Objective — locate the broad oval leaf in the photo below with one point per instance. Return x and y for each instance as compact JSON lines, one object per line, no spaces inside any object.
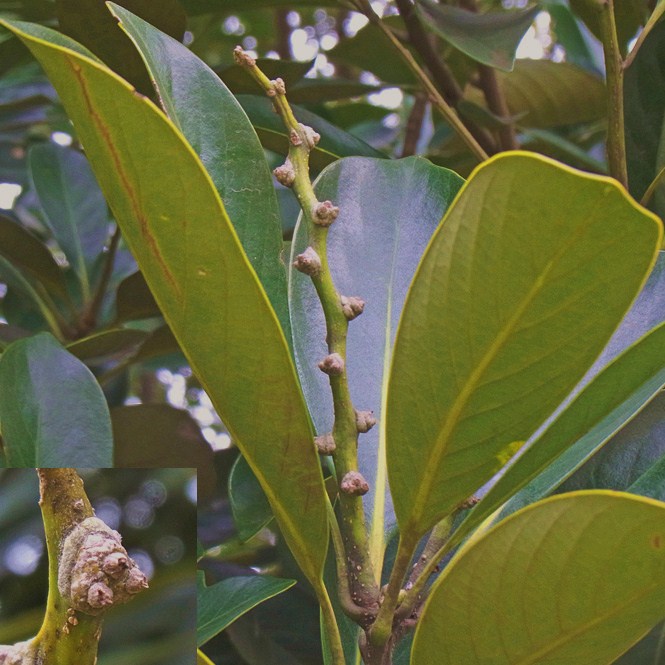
{"x":519,"y":290}
{"x":491,"y":38}
{"x":578,"y":578}
{"x":221,"y":604}
{"x":388,"y":212}
{"x":74,"y":207}
{"x":174,"y":222}
{"x":220,"y":133}
{"x":52,"y":411}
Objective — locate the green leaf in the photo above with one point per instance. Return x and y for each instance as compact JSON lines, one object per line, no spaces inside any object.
{"x":531,"y":258}
{"x":89,"y":22}
{"x":218,"y":130}
{"x":100,"y":345}
{"x":638,"y":449}
{"x":198,"y":273}
{"x":31,"y":255}
{"x":388,"y":212}
{"x":173,"y":440}
{"x":74,"y":207}
{"x":542,"y":93}
{"x":52,"y":410}
{"x":334,"y":144}
{"x":650,"y":650}
{"x":573,"y":579}
{"x":644,"y":100}
{"x":600,"y":409}
{"x":222,"y":603}
{"x":251,"y":510}
{"x":134,"y":300}
{"x":491,"y":38}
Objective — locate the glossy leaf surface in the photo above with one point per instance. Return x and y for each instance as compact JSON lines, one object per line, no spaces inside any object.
{"x":531,"y":258}
{"x":490,"y":38}
{"x":198,"y":273}
{"x":221,"y":604}
{"x":251,"y":510}
{"x":603,"y":406}
{"x":218,"y":130}
{"x":574,"y":579}
{"x":52,"y":411}
{"x":388,"y":212}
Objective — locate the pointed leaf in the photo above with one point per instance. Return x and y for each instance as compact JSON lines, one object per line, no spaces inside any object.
{"x":52,"y":411}
{"x":603,"y":406}
{"x":630,"y":454}
{"x":174,"y":222}
{"x":74,"y":207}
{"x":220,"y":133}
{"x":134,"y":300}
{"x":531,"y":258}
{"x":491,"y":38}
{"x":251,"y":510}
{"x":388,"y":212}
{"x":221,"y":604}
{"x":577,"y":578}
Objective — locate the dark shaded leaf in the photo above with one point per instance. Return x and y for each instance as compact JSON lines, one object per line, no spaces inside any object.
{"x":101,"y":345}
{"x":134,"y":300}
{"x":251,"y":510}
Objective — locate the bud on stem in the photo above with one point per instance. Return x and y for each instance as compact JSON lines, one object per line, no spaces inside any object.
{"x":353,"y":483}
{"x":308,"y":262}
{"x":332,"y":364}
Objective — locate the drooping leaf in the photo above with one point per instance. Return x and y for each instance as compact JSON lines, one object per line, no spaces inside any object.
{"x":573,"y":579}
{"x":89,"y":22}
{"x":52,"y":411}
{"x":28,"y":253}
{"x":193,"y":262}
{"x":542,"y":93}
{"x":173,"y":440}
{"x":251,"y":510}
{"x":388,"y":212}
{"x":334,"y":144}
{"x":531,"y":258}
{"x":74,"y":206}
{"x":603,"y":406}
{"x":218,"y":130}
{"x":631,"y":453}
{"x":644,"y":101}
{"x":491,"y":38}
{"x":221,"y":604}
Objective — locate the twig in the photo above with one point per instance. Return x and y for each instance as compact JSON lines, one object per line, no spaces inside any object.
{"x":338,"y":311}
{"x":441,"y":74}
{"x":414,"y":125}
{"x":616,"y":142}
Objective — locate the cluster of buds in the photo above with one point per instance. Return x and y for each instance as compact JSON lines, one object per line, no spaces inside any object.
{"x":365,"y":420}
{"x":332,"y":364}
{"x":354,"y":484}
{"x":285,"y":174}
{"x":308,"y":262}
{"x":352,"y":306}
{"x":325,"y":444}
{"x":325,"y":213}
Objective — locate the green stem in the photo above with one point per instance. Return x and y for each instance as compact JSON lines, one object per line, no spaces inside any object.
{"x":330,"y":626}
{"x":616,"y":141}
{"x":295,"y":173}
{"x":64,"y":504}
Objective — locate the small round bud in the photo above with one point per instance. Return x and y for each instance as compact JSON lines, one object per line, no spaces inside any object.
{"x":278,"y":87}
{"x":99,"y":595}
{"x":365,"y":420}
{"x":285,"y":174}
{"x":136,"y":581}
{"x":353,"y":483}
{"x":352,"y":306}
{"x":332,"y":364}
{"x":325,"y":444}
{"x":325,"y":213}
{"x":243,"y":58}
{"x":115,"y":564}
{"x":308,"y":262}
{"x":310,"y":137}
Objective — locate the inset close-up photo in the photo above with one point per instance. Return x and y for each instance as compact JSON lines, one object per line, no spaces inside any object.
{"x":97,"y":566}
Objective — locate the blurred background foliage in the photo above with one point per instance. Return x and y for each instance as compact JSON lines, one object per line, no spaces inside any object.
{"x":64,"y":267}
{"x":155,"y":512}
